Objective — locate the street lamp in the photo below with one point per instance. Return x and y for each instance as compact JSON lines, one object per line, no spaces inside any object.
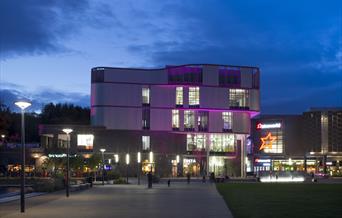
{"x":127,"y":163}
{"x":102,"y":151}
{"x":22,"y":105}
{"x":67,"y":131}
{"x":116,"y":158}
{"x":139,"y":161}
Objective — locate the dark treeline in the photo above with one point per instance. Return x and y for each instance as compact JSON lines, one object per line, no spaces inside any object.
{"x":10,"y":122}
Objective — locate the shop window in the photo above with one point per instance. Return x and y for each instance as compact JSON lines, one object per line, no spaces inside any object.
{"x":146,"y":96}
{"x":194,"y":96}
{"x":238,"y":98}
{"x":227,"y":121}
{"x":146,"y":143}
{"x":195,"y":142}
{"x":179,"y":96}
{"x":203,"y":121}
{"x":175,"y":119}
{"x":189,"y":120}
{"x":222,"y":143}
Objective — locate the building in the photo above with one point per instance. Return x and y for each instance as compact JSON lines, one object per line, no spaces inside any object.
{"x":311,"y":142}
{"x":191,"y":118}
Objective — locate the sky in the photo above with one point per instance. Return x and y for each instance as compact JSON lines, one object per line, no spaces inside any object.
{"x":47,"y":48}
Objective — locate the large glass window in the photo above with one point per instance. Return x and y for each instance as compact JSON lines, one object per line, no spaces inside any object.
{"x":195,"y":142}
{"x":203,"y":120}
{"x":238,"y":98}
{"x":146,"y":96}
{"x":217,"y":165}
{"x":185,"y":75}
{"x":145,"y":143}
{"x":175,"y":119}
{"x":227,"y":121}
{"x":189,"y":120}
{"x":194,"y":96}
{"x":179,"y":96}
{"x":222,"y":142}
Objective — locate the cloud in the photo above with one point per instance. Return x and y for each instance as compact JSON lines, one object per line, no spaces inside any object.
{"x":42,"y":97}
{"x":35,"y":27}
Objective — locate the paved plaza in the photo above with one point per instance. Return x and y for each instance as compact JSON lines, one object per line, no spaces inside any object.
{"x":180,"y":200}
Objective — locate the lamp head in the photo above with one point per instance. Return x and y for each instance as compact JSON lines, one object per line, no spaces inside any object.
{"x":67,"y":130}
{"x":102,"y":150}
{"x":22,"y":104}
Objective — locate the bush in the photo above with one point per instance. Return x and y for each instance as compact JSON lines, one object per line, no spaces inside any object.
{"x":120,"y":181}
{"x":48,"y":185}
{"x":111,"y":175}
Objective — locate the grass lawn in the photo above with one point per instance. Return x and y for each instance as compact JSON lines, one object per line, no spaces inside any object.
{"x":282,"y":200}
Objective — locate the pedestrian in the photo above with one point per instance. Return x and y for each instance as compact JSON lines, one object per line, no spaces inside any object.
{"x":203,"y":179}
{"x":149,"y":179}
{"x":168,"y":183}
{"x":188,"y":177}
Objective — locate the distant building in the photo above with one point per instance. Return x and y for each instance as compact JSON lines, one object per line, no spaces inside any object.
{"x":309,"y":142}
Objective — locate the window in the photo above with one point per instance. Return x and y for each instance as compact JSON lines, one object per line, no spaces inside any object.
{"x":238,"y":98}
{"x":227,"y":121}
{"x":146,"y":96}
{"x":194,"y":96}
{"x":185,"y":75}
{"x":203,"y":121}
{"x":222,"y":143}
{"x":175,"y":119}
{"x":189,"y":120}
{"x":146,"y":118}
{"x":145,"y":143}
{"x":229,"y":77}
{"x":195,"y":142}
{"x":179,"y":96}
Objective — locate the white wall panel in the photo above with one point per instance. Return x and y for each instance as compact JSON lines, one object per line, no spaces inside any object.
{"x":161,"y":119}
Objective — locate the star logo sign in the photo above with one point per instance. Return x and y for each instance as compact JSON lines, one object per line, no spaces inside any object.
{"x":267,"y":141}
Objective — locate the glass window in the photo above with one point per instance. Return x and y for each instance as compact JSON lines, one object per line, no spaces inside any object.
{"x":145,"y":143}
{"x":179,"y":96}
{"x":175,"y":119}
{"x":146,"y":118}
{"x":195,"y":142}
{"x":203,"y":120}
{"x":146,"y":95}
{"x":189,"y":119}
{"x":222,"y":143}
{"x":194,"y":96}
{"x":238,"y":98}
{"x":227,"y":120}
{"x":217,"y":165}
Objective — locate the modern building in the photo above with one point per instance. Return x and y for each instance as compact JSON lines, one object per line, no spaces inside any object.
{"x":311,"y":142}
{"x":191,"y":119}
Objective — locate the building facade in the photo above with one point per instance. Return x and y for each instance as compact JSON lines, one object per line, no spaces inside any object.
{"x":192,"y":118}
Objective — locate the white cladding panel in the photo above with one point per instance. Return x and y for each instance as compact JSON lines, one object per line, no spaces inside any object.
{"x":246,"y":77}
{"x":160,"y":119}
{"x":163,"y":96}
{"x":210,"y":75}
{"x":241,"y":122}
{"x":117,"y":94}
{"x":254,"y":100}
{"x":122,"y":118}
{"x":215,"y":121}
{"x":136,"y":76}
{"x":214,"y":97}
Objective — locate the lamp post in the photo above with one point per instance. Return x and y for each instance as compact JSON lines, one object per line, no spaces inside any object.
{"x":102,"y":151}
{"x":67,"y":131}
{"x":139,"y":161}
{"x":127,"y":163}
{"x":22,"y":105}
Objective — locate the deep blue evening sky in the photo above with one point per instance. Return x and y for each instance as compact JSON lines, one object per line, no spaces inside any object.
{"x":47,"y":48}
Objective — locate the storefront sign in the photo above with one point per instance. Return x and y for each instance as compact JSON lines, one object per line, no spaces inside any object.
{"x":59,"y":155}
{"x":85,"y":141}
{"x":268,"y":125}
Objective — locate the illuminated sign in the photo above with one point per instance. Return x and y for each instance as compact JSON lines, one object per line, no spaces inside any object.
{"x":268,"y":125}
{"x":60,"y":155}
{"x":267,"y":141}
{"x":85,"y":141}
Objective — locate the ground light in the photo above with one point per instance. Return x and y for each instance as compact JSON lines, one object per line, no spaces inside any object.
{"x":102,"y":151}
{"x":127,"y":163}
{"x":68,"y":131}
{"x":138,"y":170}
{"x":22,"y":105}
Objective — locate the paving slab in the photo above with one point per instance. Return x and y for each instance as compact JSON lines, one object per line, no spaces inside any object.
{"x":180,"y":200}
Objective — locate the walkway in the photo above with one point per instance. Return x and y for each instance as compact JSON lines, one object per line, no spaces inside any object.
{"x":180,"y":200}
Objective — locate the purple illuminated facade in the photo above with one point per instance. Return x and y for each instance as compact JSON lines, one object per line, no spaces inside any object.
{"x":194,"y":118}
